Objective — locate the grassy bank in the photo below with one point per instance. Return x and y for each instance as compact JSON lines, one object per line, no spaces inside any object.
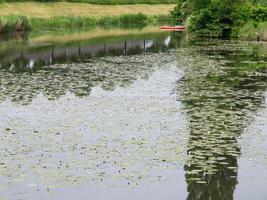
{"x":103,"y":2}
{"x":64,"y":15}
{"x":49,"y":10}
{"x":23,"y":23}
{"x":252,"y":31}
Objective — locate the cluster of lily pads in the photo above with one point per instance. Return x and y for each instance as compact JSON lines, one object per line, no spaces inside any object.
{"x":78,"y":78}
{"x":223,"y":87}
{"x":68,"y":136}
{"x":116,"y":134}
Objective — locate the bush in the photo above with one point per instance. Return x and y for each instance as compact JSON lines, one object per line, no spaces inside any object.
{"x":252,"y":31}
{"x":259,"y":13}
{"x":248,"y":32}
{"x":262,"y":30}
{"x":221,"y":18}
{"x":211,"y":23}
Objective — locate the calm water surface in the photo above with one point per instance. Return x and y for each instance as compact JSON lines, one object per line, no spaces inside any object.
{"x":132,"y":114}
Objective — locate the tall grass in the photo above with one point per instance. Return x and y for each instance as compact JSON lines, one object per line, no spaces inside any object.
{"x":126,"y":20}
{"x":262,"y":30}
{"x":20,"y":23}
{"x":103,"y":2}
{"x":61,"y":22}
{"x":252,"y":31}
{"x":14,"y":23}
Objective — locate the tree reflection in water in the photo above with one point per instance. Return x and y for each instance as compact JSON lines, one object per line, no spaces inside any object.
{"x":220,"y":92}
{"x":223,"y":85}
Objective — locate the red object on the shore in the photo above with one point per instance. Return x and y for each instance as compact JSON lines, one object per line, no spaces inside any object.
{"x":173,"y":28}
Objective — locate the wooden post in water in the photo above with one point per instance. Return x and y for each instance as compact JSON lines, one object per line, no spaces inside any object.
{"x":145,"y":46}
{"x":79,"y":50}
{"x":52,"y":56}
{"x":125,"y":47}
{"x":105,"y":48}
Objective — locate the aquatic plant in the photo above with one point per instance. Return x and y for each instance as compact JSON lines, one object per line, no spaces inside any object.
{"x":220,"y":92}
{"x":131,"y":142}
{"x":126,"y":137}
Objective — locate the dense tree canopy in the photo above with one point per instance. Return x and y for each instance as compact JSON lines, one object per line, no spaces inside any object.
{"x":219,"y":18}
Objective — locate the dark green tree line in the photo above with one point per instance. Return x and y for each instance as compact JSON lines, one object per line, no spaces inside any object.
{"x":219,"y":18}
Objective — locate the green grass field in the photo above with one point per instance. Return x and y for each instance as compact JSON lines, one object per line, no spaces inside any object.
{"x":48,"y":10}
{"x":50,"y":16}
{"x":103,"y":2}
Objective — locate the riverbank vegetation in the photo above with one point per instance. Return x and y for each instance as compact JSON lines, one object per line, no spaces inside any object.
{"x":63,"y":15}
{"x":244,"y":19}
{"x":22,"y":23}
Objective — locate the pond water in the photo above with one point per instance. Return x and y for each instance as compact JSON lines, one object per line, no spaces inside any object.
{"x":132,"y":114}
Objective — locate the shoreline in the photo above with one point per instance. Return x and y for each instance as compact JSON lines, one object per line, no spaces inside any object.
{"x":16,"y":17}
{"x":13,"y":24}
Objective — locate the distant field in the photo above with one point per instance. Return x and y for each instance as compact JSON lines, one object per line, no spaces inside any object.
{"x":103,"y":2}
{"x":48,"y":10}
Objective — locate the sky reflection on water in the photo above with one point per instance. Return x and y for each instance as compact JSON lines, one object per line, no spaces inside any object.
{"x":175,"y":123}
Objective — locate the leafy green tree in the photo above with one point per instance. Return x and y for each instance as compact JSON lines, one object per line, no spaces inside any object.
{"x":219,"y":18}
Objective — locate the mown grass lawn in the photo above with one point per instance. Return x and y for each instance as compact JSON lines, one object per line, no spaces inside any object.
{"x":48,"y":10}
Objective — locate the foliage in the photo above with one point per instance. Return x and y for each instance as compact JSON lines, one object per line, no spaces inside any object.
{"x":214,"y":21}
{"x":182,"y":11}
{"x":250,"y":31}
{"x":259,"y":13}
{"x":214,"y":18}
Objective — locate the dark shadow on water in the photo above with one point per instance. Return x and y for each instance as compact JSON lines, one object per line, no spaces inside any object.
{"x":220,"y":98}
{"x":16,"y":36}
